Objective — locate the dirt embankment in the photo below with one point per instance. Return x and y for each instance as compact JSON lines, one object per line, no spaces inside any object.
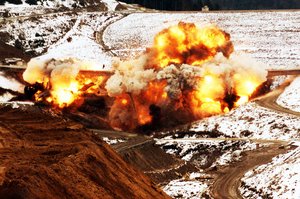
{"x":43,"y":155}
{"x":154,"y":161}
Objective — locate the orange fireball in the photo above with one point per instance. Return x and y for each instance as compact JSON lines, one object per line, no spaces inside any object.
{"x":187,"y":43}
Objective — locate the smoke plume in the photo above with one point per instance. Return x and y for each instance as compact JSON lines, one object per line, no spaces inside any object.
{"x":189,"y":73}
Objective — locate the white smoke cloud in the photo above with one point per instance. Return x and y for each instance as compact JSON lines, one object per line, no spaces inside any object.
{"x":240,"y":63}
{"x":62,"y":70}
{"x":51,"y":70}
{"x":180,"y":78}
{"x":11,"y":84}
{"x":185,"y":76}
{"x":130,"y":77}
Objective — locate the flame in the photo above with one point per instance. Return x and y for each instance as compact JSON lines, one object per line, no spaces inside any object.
{"x":187,"y":43}
{"x":143,"y":115}
{"x":65,"y":94}
{"x":124,"y":102}
{"x":155,"y":93}
{"x":141,"y":97}
{"x":245,"y":86}
{"x":207,"y":95}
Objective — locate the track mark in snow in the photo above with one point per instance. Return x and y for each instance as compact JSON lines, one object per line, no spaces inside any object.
{"x":100,"y":34}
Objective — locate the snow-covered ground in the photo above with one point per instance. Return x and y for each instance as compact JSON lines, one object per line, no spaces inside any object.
{"x":10,"y":84}
{"x":253,"y":121}
{"x":205,"y":152}
{"x":50,"y":6}
{"x":290,"y":98}
{"x":64,"y":36}
{"x":6,"y":97}
{"x":37,"y":34}
{"x":111,"y":4}
{"x":112,"y":141}
{"x":186,"y":188}
{"x":278,"y":179}
{"x":270,"y":37}
{"x":80,"y":42}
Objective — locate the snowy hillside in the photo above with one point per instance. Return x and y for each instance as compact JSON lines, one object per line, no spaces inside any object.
{"x":108,"y":5}
{"x":270,"y":37}
{"x":278,"y":179}
{"x":38,"y":33}
{"x":257,"y":126}
{"x":253,"y":121}
{"x":15,"y":8}
{"x":290,"y":98}
{"x":81,"y":41}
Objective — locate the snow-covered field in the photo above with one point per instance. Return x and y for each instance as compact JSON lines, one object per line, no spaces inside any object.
{"x":270,"y":37}
{"x":290,"y":98}
{"x":50,"y":6}
{"x":80,"y":42}
{"x":186,"y":188}
{"x":278,"y":179}
{"x":36,"y":34}
{"x":253,"y":121}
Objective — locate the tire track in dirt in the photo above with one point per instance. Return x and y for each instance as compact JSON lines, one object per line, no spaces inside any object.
{"x":228,"y":179}
{"x":269,"y":101}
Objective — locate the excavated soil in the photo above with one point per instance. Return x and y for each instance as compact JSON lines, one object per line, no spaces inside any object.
{"x":44,"y":155}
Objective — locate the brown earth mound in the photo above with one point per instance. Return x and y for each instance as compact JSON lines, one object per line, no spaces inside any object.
{"x":44,"y":155}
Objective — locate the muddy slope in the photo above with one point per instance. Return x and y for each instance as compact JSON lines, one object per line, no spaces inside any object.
{"x":43,"y":155}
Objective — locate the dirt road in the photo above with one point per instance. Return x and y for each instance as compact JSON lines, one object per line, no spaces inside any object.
{"x":132,"y":140}
{"x":269,"y":101}
{"x":228,"y":179}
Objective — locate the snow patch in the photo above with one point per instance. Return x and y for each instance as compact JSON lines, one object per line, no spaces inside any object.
{"x":253,"y":121}
{"x":278,"y":179}
{"x":111,"y":4}
{"x":290,"y":98}
{"x":185,"y":189}
{"x":112,"y":141}
{"x":6,"y":97}
{"x":11,"y":84}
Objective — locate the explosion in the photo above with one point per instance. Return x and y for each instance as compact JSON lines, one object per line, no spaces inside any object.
{"x":189,"y":73}
{"x":188,"y":44}
{"x":62,"y":81}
